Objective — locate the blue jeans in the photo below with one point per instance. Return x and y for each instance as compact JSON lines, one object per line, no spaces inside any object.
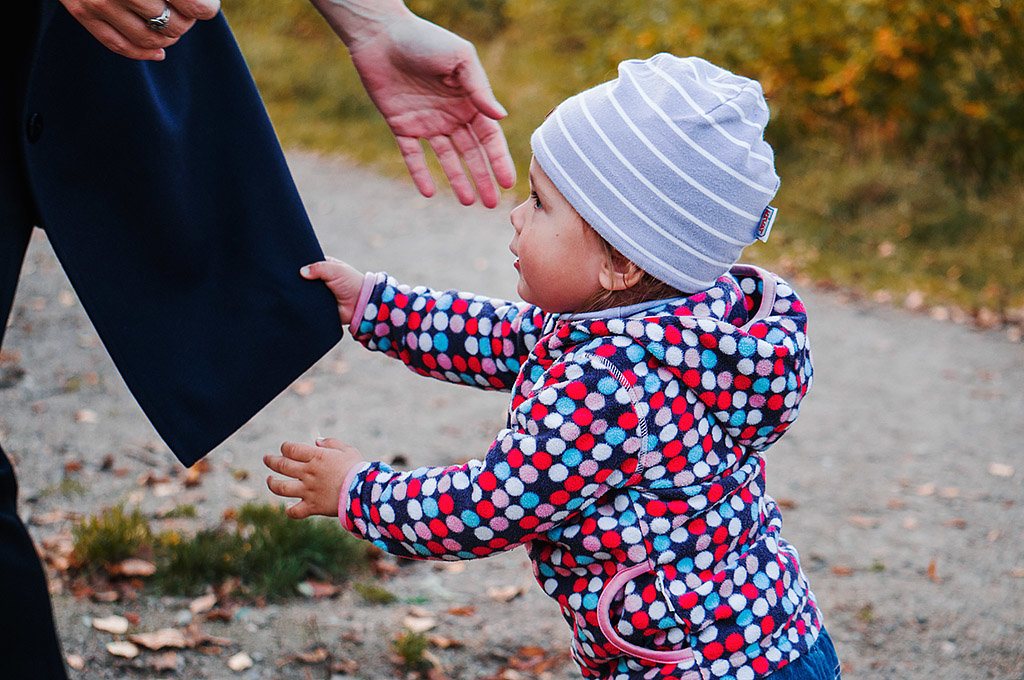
{"x":820,"y":663}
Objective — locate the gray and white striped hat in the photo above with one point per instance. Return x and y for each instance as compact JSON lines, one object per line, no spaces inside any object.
{"x":668,"y":163}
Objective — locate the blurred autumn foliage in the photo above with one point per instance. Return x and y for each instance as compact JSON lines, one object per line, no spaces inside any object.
{"x":898,"y":124}
{"x":945,"y":75}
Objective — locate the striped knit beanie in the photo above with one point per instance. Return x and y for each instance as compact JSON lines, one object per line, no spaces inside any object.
{"x":668,"y":163}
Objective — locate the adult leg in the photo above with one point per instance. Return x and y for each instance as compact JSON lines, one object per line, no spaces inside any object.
{"x":29,"y":649}
{"x":28,"y":640}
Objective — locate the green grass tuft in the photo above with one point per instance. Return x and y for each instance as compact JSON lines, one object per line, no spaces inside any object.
{"x":267,"y":553}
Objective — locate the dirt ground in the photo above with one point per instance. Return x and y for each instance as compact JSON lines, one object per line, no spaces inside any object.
{"x":902,"y":483}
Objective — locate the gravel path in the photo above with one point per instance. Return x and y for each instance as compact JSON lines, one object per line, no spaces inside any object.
{"x":902,"y":483}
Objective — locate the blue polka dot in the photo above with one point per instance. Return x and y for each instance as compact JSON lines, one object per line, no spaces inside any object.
{"x":441,"y":342}
{"x":529,"y":500}
{"x":470,"y":518}
{"x":708,"y":359}
{"x":615,"y":436}
{"x":607,"y":385}
{"x":502,"y":470}
{"x":635,"y":353}
{"x":572,"y":457}
{"x":566,"y":406}
{"x":430,"y":508}
{"x":747,"y":346}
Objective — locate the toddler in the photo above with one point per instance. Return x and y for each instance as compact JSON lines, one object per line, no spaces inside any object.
{"x":648,"y":375}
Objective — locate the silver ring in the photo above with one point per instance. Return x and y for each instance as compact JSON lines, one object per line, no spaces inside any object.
{"x":160,"y":23}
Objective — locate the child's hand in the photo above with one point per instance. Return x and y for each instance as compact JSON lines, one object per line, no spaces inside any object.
{"x":315,"y":475}
{"x":342,"y":279}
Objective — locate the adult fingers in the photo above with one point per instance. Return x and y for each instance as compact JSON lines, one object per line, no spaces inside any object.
{"x":468,"y":147}
{"x":473,"y":79}
{"x":451,"y":164}
{"x":416,"y":162}
{"x":197,"y":9}
{"x":492,"y":139}
{"x":136,"y":26}
{"x":117,"y":43}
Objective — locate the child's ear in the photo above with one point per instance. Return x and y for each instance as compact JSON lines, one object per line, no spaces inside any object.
{"x":618,"y":273}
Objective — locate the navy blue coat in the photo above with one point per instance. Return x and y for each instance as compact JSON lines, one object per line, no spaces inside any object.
{"x":165,"y":195}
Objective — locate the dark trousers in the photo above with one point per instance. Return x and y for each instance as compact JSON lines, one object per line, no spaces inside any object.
{"x":28,"y":640}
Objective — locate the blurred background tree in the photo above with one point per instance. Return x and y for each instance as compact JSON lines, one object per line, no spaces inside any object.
{"x":898,"y":125}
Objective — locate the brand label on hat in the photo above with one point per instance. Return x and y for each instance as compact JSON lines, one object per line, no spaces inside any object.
{"x":767,"y":220}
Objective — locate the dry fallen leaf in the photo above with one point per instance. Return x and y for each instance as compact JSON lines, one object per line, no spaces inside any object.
{"x":1017,"y":572}
{"x":168,"y":661}
{"x":444,"y":642}
{"x":9,"y":356}
{"x":75,"y":661}
{"x":1000,"y":470}
{"x":317,"y":589}
{"x":165,"y":637}
{"x":862,"y":522}
{"x":123,"y":649}
{"x":419,"y":624}
{"x":505,"y":593}
{"x":466,"y":610}
{"x":132,"y":566}
{"x":116,"y":625}
{"x":203,"y":603}
{"x":304,"y":387}
{"x":310,"y":655}
{"x":839,"y":570}
{"x":240,"y":662}
{"x":85,"y":415}
{"x":933,"y":571}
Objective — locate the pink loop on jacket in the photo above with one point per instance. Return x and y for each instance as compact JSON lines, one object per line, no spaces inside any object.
{"x":604,"y":603}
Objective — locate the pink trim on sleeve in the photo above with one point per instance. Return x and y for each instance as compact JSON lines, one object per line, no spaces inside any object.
{"x":343,"y":497}
{"x":370,"y":279}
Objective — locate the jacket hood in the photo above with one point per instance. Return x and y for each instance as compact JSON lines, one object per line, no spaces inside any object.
{"x":739,"y":347}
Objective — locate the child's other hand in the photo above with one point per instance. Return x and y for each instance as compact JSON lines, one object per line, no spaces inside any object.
{"x":342,"y":279}
{"x":314,"y":475}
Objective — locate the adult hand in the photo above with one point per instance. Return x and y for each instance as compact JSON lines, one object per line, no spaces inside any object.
{"x":429,"y":84}
{"x":121,"y":24}
{"x":313,"y":474}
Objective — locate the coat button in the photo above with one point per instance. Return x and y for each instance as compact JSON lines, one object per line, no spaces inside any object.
{"x":34,"y":127}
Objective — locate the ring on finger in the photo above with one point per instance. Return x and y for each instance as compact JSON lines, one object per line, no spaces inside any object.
{"x":159,"y":23}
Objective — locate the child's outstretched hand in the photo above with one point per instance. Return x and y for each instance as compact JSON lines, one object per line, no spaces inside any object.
{"x":343,"y":280}
{"x":314,"y":475}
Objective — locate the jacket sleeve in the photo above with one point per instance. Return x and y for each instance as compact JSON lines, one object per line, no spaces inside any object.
{"x":452,"y":336}
{"x":572,"y":440}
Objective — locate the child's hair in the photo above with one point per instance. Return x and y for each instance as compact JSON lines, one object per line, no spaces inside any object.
{"x":646,"y":289}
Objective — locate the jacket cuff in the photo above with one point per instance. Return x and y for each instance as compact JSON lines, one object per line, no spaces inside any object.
{"x":370,"y":280}
{"x":343,"y":497}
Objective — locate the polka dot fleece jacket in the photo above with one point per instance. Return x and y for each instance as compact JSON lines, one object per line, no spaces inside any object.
{"x":630,"y":467}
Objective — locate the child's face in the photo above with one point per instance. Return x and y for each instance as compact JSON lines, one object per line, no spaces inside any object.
{"x":559,"y":255}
